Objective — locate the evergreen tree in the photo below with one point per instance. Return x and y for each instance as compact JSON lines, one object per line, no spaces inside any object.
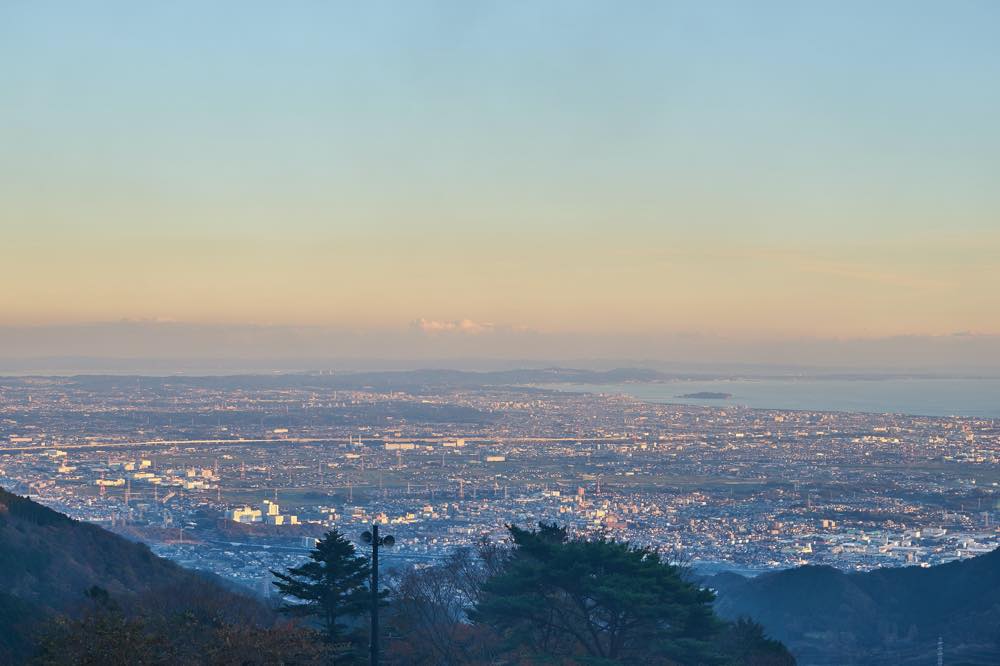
{"x":597,"y":601}
{"x":746,"y":644}
{"x":332,"y":586}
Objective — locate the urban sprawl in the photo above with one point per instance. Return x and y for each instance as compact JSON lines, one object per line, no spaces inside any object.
{"x":239,"y":475}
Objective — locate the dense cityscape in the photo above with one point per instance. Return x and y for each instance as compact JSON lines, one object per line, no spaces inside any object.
{"x":240,"y":475}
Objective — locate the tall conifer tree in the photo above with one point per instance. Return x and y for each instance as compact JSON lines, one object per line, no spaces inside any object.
{"x":332,"y":585}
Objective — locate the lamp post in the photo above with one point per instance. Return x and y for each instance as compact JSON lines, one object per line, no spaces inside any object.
{"x":375,"y":541}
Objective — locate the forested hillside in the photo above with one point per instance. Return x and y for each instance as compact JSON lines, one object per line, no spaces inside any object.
{"x":897,"y":614}
{"x":48,"y":561}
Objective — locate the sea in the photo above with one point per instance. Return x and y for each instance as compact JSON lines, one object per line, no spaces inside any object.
{"x":919,"y":396}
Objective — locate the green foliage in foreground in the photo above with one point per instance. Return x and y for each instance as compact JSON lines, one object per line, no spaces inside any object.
{"x":331,"y":586}
{"x":544,"y":598}
{"x":597,"y":600}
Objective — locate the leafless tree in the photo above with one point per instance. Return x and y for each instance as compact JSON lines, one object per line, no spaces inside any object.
{"x":431,"y":605}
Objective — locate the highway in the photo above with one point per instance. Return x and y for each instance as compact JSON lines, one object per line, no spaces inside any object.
{"x":292,"y":440}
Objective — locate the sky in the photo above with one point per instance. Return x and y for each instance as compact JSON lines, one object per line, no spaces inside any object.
{"x":510,"y":172}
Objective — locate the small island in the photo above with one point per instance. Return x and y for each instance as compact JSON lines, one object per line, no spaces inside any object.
{"x":707,"y":395}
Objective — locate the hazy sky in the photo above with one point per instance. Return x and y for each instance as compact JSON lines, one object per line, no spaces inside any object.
{"x":746,"y":169}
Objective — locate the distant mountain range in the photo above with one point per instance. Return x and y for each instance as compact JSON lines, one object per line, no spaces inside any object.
{"x":383,"y":380}
{"x":885,"y":616}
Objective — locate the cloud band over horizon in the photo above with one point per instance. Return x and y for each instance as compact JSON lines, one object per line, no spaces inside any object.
{"x":175,"y":346}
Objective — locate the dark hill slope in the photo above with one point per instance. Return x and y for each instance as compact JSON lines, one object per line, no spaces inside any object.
{"x":48,"y":560}
{"x":827,"y":616}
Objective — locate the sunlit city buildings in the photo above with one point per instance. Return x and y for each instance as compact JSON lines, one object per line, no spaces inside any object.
{"x":239,"y":475}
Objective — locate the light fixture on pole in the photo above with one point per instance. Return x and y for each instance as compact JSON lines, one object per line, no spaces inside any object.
{"x":373,"y":539}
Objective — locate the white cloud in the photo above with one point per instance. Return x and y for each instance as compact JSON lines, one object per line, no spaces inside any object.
{"x":464,"y":326}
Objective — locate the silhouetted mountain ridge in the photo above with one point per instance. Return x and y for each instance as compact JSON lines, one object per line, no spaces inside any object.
{"x":410,"y":380}
{"x":48,"y":560}
{"x":828,"y":616}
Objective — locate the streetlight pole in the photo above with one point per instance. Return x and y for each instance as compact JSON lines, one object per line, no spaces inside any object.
{"x":375,"y":540}
{"x":375,"y":545}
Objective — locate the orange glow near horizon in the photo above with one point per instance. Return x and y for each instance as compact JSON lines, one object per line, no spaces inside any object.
{"x":636,"y":170}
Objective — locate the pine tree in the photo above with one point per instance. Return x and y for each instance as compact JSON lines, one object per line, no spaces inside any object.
{"x":332,"y":586}
{"x":598,"y":600}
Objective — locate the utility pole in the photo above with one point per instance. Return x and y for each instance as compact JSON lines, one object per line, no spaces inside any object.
{"x":375,"y":544}
{"x":375,"y":540}
{"x":940,"y":652}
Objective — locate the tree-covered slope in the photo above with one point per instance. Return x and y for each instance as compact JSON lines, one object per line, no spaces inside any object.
{"x":48,"y":561}
{"x":828,"y":616}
